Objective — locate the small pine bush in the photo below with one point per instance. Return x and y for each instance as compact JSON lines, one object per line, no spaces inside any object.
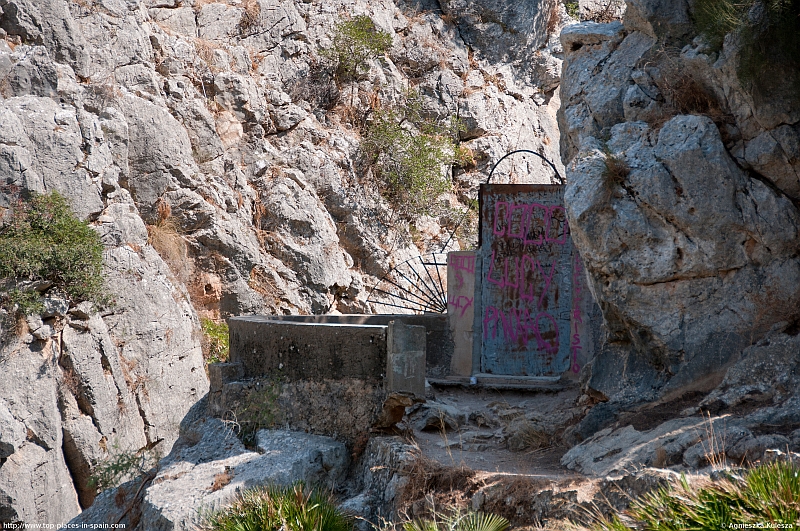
{"x":355,"y":43}
{"x":410,"y":155}
{"x":294,"y":508}
{"x":42,"y":240}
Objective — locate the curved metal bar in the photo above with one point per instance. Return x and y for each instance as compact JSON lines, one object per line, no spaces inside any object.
{"x":549,"y":163}
{"x":488,"y":179}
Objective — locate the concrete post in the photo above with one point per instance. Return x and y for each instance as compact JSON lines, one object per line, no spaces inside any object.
{"x":461,"y":308}
{"x":405,"y":359}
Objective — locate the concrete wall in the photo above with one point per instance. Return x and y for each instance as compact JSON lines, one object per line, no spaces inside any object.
{"x":293,"y":351}
{"x":438,"y":346}
{"x":320,"y":374}
{"x":461,"y":309}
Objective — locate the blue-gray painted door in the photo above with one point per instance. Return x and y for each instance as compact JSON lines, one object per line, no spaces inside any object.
{"x":525,"y":280}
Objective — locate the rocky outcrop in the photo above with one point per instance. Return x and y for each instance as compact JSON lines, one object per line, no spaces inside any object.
{"x":89,"y":385}
{"x":682,"y":200}
{"x":208,"y":468}
{"x":207,"y":150}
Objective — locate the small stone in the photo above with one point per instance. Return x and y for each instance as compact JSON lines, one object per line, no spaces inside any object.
{"x":43,"y":332}
{"x":55,"y":307}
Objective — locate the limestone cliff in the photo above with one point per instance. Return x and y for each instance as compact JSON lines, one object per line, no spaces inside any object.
{"x":198,"y":139}
{"x":682,"y":198}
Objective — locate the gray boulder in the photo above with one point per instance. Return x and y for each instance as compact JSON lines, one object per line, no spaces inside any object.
{"x":48,"y":23}
{"x":687,"y":224}
{"x":209,"y":467}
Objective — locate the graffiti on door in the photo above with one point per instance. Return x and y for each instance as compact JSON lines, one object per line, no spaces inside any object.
{"x":526,"y":280}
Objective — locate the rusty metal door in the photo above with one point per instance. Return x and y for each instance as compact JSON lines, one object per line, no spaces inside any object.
{"x":525,"y":281}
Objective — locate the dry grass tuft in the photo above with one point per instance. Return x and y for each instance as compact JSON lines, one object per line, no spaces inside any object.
{"x":251,"y":15}
{"x":553,"y":17}
{"x":205,"y":50}
{"x":261,"y":282}
{"x":428,"y":478}
{"x":529,"y":437}
{"x":506,"y":497}
{"x":682,"y":89}
{"x":168,"y":242}
{"x":660,"y":459}
{"x":616,"y":169}
{"x":221,"y":480}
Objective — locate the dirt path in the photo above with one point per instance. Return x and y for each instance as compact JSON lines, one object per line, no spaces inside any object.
{"x":502,"y":451}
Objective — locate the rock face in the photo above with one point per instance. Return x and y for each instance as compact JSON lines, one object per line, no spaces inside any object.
{"x":208,"y":467}
{"x":203,"y":144}
{"x":681,"y":199}
{"x":89,"y":385}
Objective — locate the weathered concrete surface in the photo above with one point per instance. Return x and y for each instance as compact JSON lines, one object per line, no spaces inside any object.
{"x":303,"y":351}
{"x":345,"y":408}
{"x":439,"y":339}
{"x":461,"y":309}
{"x":405,"y":359}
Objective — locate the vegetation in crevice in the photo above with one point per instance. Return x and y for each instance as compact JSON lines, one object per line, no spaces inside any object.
{"x":615,"y":169}
{"x":769,"y":34}
{"x":355,"y":43}
{"x":121,"y":466}
{"x":216,"y":347}
{"x":410,"y":154}
{"x":43,"y":242}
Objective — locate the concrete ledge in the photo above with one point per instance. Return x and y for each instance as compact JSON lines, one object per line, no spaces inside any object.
{"x":344,"y":409}
{"x":295,"y":351}
{"x":439,"y":339}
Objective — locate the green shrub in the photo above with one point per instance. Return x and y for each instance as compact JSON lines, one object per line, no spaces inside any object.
{"x":42,"y":240}
{"x":766,"y":494}
{"x":410,"y":155}
{"x":770,"y":39}
{"x":355,"y":43}
{"x":121,"y":466}
{"x":470,"y":521}
{"x":294,"y":508}
{"x":258,"y":410}
{"x":215,"y":340}
{"x":573,"y":9}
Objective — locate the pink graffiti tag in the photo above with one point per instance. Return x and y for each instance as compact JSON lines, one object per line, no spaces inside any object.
{"x":519,"y":324}
{"x":516,"y":221}
{"x":518,"y":271}
{"x":463,"y":263}
{"x":460,"y":303}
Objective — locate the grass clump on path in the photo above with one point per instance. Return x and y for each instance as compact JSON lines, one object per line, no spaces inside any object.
{"x":294,"y":508}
